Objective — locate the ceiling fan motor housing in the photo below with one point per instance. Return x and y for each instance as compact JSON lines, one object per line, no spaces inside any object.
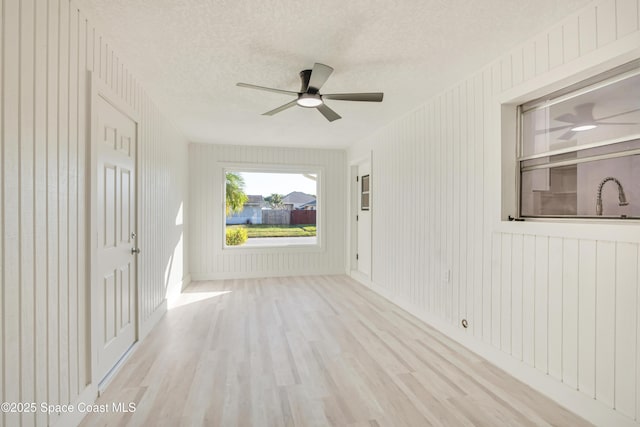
{"x":305,"y":75}
{"x":309,"y":96}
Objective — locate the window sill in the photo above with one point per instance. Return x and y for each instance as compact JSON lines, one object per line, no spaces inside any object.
{"x":619,"y":230}
{"x":284,"y":248}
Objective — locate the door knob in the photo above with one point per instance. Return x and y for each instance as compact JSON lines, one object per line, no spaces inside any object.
{"x":135,"y":251}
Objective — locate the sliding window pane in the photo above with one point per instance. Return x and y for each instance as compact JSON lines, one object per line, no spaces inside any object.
{"x":606,"y":188}
{"x":605,"y":113}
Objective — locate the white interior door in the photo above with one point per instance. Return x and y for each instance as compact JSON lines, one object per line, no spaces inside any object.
{"x":364,"y":218}
{"x":114,"y":285}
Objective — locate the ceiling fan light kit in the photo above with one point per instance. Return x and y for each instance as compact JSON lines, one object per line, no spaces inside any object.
{"x":310,"y":97}
{"x":582,"y":128}
{"x":583,"y":120}
{"x":309,"y":100}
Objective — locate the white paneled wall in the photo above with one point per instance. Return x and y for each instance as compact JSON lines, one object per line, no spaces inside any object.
{"x":48,"y":49}
{"x":561,"y":298}
{"x":209,"y":260}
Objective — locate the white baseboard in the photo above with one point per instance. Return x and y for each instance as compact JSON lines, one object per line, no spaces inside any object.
{"x":87,"y":397}
{"x":90,"y":394}
{"x":361,"y":277}
{"x":257,"y":274}
{"x":588,"y":408}
{"x":186,"y":280}
{"x":148,"y":324}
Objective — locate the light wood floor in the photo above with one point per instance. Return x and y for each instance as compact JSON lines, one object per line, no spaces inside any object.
{"x":311,"y":351}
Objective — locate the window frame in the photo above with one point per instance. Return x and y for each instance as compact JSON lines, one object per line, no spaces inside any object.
{"x":594,"y":83}
{"x":318,"y":170}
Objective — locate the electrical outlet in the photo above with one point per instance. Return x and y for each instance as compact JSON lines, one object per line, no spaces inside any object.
{"x":446,"y":276}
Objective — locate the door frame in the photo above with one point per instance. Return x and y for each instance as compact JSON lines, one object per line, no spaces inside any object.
{"x":354,"y":195}
{"x":98,"y":90}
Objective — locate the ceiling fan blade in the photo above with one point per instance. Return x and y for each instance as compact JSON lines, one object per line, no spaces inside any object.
{"x":554,"y":129}
{"x":319,"y":75}
{"x":281,"y":108}
{"x":567,"y":118}
{"x":367,"y":97}
{"x":567,"y":135}
{"x":268,"y":89}
{"x":328,"y":113}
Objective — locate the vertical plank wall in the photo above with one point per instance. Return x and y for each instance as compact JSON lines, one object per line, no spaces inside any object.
{"x":47,"y":49}
{"x":561,"y":299}
{"x":210,"y":261}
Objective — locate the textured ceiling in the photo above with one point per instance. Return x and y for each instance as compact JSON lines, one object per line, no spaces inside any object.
{"x":191,"y":53}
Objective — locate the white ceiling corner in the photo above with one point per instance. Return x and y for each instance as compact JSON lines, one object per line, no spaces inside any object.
{"x":191,"y":53}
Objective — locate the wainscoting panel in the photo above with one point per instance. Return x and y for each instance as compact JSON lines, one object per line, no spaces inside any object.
{"x":49,"y":49}
{"x":561,"y":297}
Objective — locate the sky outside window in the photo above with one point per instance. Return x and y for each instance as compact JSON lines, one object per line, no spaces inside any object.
{"x":266,"y":183}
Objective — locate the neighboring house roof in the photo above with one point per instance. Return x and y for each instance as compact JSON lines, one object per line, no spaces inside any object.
{"x":298,"y":198}
{"x":311,"y":203}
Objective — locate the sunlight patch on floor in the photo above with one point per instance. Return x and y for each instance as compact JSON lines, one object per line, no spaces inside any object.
{"x":191,"y":297}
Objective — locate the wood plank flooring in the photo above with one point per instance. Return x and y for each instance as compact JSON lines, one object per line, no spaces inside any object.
{"x":311,"y":351}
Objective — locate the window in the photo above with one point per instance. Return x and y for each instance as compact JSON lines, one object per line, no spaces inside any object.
{"x":265,"y":208}
{"x":579,"y":151}
{"x":364,"y":194}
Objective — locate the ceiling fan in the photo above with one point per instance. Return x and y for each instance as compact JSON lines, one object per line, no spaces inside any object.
{"x":583,"y":120}
{"x":309,"y":95}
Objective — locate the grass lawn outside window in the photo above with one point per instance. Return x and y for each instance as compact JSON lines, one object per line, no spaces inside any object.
{"x":266,"y":230}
